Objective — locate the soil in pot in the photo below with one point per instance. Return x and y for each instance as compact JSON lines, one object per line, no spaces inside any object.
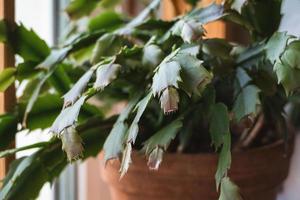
{"x":258,"y":172}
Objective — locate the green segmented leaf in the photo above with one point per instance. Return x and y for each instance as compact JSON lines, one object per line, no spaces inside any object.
{"x":289,"y":77}
{"x":276,"y":46}
{"x":55,"y":57}
{"x":75,"y":92}
{"x":107,"y":45}
{"x":105,"y":20}
{"x":224,"y":162}
{"x":140,"y":108}
{"x":246,"y":102}
{"x":194,"y":76}
{"x":28,"y":44}
{"x":79,"y":8}
{"x":34,"y":95}
{"x":23,"y":167}
{"x":126,"y":160}
{"x":27,"y":70}
{"x":159,"y":142}
{"x":132,"y":134}
{"x":7,"y":77}
{"x":242,"y":78}
{"x":109,"y":3}
{"x":229,"y":191}
{"x":255,"y":13}
{"x":67,"y":117}
{"x":290,"y":56}
{"x":46,"y":164}
{"x":105,"y":74}
{"x":207,"y":14}
{"x":8,"y":129}
{"x":219,"y":124}
{"x":191,"y":31}
{"x":163,"y":137}
{"x":113,"y":145}
{"x":152,"y":55}
{"x":168,"y":75}
{"x":13,"y":151}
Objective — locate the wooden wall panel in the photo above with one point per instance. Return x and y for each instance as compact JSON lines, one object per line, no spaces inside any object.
{"x":7,"y":99}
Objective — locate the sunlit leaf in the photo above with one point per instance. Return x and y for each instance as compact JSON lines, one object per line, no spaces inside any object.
{"x":191,"y":31}
{"x":126,"y":160}
{"x":290,"y":56}
{"x":229,"y":191}
{"x":167,"y":75}
{"x":7,"y":77}
{"x":109,"y":3}
{"x":105,"y":20}
{"x":152,"y":55}
{"x":105,"y":74}
{"x":79,"y":8}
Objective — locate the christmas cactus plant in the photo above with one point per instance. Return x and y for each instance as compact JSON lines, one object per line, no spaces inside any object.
{"x":184,"y":92}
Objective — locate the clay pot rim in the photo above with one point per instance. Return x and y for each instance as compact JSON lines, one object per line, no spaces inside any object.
{"x":271,"y":146}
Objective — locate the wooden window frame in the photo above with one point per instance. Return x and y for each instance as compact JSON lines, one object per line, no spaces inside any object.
{"x":7,"y":99}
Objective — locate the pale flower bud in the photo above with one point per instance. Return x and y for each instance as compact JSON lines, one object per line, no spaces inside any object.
{"x":191,"y":31}
{"x":155,"y":158}
{"x":72,"y":144}
{"x":169,"y":100}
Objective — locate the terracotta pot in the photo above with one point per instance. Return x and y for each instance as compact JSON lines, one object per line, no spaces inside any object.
{"x":258,"y":172}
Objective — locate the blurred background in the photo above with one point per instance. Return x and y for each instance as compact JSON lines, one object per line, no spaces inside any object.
{"x":81,"y":181}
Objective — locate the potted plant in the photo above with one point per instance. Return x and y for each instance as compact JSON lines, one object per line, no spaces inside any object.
{"x":190,"y":102}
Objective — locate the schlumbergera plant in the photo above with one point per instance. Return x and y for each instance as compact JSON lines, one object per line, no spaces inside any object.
{"x":184,"y":92}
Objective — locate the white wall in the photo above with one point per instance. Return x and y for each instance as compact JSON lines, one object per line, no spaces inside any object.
{"x":291,"y":17}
